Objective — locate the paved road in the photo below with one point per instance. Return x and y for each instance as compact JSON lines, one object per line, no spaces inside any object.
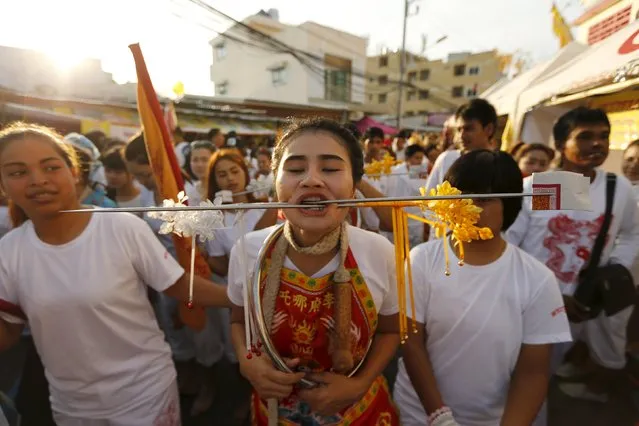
{"x":563,"y":411}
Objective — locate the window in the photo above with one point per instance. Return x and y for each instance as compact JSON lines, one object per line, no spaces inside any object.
{"x":410,"y":96}
{"x":424,"y":75}
{"x":412,"y":76}
{"x":219,"y":51}
{"x":457,"y":92}
{"x":337,"y":85}
{"x":383,"y":61}
{"x":423,"y":112}
{"x":370,"y":98}
{"x":473,"y":71}
{"x":381,"y":98}
{"x":459,"y":70}
{"x":222,"y":89}
{"x":423,"y":94}
{"x":471,"y":93}
{"x":382,"y":80}
{"x":278,"y":76}
{"x":410,"y":113}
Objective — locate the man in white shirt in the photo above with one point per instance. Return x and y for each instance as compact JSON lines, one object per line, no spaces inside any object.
{"x":476,"y":123}
{"x":564,"y":240}
{"x":373,"y":144}
{"x":399,"y":144}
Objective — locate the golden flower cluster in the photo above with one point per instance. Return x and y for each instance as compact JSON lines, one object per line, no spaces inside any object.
{"x":458,"y":216}
{"x":380,"y":167}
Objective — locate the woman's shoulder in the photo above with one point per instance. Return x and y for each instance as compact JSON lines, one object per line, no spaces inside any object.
{"x":529,"y":270}
{"x":364,"y":239}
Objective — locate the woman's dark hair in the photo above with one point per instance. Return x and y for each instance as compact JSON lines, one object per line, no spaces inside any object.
{"x":113,"y":159}
{"x":486,"y":172}
{"x":19,"y":131}
{"x":525,"y":148}
{"x":135,"y":150}
{"x":230,"y":154}
{"x":631,"y":144}
{"x":375,"y":132}
{"x":324,"y":125}
{"x":580,"y":116}
{"x":187,"y":154}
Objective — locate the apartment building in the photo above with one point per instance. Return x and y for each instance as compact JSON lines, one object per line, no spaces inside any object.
{"x":329,"y":69}
{"x":433,"y":85}
{"x":603,"y":18}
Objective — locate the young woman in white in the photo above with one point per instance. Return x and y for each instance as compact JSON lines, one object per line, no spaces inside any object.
{"x":198,"y":159}
{"x":80,"y":280}
{"x":481,"y":356}
{"x":316,"y":255}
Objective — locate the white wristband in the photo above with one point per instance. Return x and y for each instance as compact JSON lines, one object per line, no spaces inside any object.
{"x":442,"y":417}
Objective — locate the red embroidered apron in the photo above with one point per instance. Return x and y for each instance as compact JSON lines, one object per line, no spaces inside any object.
{"x":302,"y":324}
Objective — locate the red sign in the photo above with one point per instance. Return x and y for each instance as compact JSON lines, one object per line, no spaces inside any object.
{"x":629,"y":45}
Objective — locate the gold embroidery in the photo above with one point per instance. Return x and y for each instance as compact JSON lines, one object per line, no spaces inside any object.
{"x":299,"y":300}
{"x":315,"y":305}
{"x":304,"y":333}
{"x":285,"y":295}
{"x":329,"y":299}
{"x":301,"y":351}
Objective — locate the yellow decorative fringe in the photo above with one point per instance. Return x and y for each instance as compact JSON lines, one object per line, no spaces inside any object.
{"x":381,"y":167}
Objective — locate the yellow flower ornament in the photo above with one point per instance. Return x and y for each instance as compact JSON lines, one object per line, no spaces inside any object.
{"x":376,"y":169}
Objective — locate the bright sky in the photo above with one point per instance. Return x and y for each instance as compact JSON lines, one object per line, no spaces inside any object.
{"x":174,"y":34}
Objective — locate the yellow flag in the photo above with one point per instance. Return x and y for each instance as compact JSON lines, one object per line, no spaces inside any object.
{"x":560,"y":27}
{"x":507,"y":136}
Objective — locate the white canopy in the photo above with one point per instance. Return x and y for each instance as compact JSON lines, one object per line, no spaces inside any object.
{"x":597,"y":66}
{"x":504,"y":94}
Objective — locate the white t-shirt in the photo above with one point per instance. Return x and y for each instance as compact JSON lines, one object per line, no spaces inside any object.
{"x":476,"y":320}
{"x":225,"y":238}
{"x":396,"y":185}
{"x":376,"y":266}
{"x":440,"y":168}
{"x":563,"y":240}
{"x":180,"y":148}
{"x":87,"y":306}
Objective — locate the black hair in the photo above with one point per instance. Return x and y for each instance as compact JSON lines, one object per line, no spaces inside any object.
{"x":375,"y":132}
{"x":200,"y":144}
{"x":212,"y":133}
{"x":631,"y":144}
{"x":480,"y":110}
{"x":404,"y":134}
{"x":178,"y":131}
{"x":113,"y":159}
{"x":413,"y":149}
{"x":315,"y":125}
{"x":429,"y":148}
{"x":521,"y":151}
{"x":486,"y":172}
{"x":580,"y":116}
{"x":135,"y":150}
{"x":354,"y":130}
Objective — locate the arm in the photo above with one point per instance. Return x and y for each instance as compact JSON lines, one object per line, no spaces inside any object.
{"x":626,"y":246}
{"x":219,"y":264}
{"x":528,"y":386}
{"x":9,"y":334}
{"x":420,"y":371}
{"x":269,"y":218}
{"x":385,"y":214}
{"x":205,"y":292}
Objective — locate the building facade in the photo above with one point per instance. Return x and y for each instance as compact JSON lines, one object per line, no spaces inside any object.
{"x":308,"y":64}
{"x":603,"y":18}
{"x":433,"y":86}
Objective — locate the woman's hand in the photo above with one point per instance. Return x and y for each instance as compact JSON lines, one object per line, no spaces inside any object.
{"x":267,"y":380}
{"x":334,"y":393}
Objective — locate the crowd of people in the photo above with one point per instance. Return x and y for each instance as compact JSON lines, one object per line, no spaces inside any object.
{"x":97,"y":295}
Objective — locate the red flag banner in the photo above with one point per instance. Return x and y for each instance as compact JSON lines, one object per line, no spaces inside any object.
{"x":168,"y":175}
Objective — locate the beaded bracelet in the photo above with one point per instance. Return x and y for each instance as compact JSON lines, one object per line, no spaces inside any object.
{"x":438,"y":413}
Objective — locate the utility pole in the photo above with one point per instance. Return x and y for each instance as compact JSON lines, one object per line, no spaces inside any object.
{"x":402,"y":68}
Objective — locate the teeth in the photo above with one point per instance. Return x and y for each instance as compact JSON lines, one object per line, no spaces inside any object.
{"x":311,"y":199}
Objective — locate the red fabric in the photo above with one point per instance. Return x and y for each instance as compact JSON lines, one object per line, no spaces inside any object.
{"x":302,"y":327}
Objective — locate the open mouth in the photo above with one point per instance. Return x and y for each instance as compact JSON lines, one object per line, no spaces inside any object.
{"x":312,"y":199}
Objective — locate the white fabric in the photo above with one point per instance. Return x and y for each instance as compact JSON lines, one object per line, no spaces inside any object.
{"x":440,"y":168}
{"x":87,"y":306}
{"x":563,"y":240}
{"x":266,"y":180}
{"x":179,"y":153}
{"x":397,"y":185}
{"x":161,"y":410}
{"x":225,"y":238}
{"x":194,"y":192}
{"x":98,"y":175}
{"x":376,"y":266}
{"x":476,"y":320}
